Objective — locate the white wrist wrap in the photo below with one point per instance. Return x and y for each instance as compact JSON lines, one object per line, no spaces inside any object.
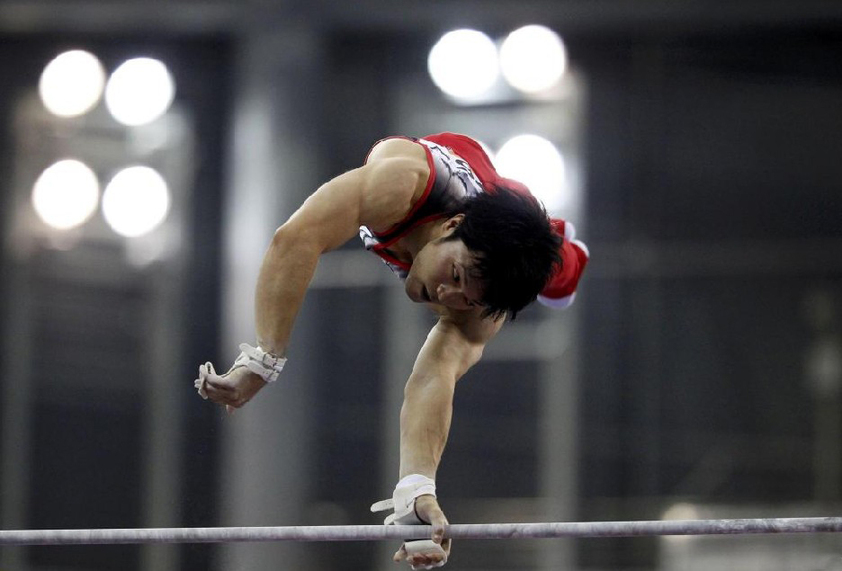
{"x":403,"y":504}
{"x":260,"y":362}
{"x":403,"y":500}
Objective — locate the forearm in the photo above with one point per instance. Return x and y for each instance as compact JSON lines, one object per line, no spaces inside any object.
{"x":451,"y":349}
{"x":425,"y":423}
{"x":286,"y":271}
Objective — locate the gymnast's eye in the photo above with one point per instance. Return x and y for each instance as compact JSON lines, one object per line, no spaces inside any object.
{"x":455,"y":274}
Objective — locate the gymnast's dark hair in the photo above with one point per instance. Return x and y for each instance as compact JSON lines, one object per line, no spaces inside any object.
{"x":515,"y":247}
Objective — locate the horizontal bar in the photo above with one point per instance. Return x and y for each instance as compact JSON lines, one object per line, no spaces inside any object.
{"x":400,"y":532}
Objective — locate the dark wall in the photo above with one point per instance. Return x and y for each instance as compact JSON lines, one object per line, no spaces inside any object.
{"x":84,"y":441}
{"x":714,"y":209}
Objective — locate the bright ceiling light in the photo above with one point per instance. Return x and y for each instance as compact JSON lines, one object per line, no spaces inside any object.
{"x":71,"y":84}
{"x":463,"y":63}
{"x":533,"y":59}
{"x":65,"y":194}
{"x":681,"y":511}
{"x":538,"y":164}
{"x":139,"y":91}
{"x":136,"y":201}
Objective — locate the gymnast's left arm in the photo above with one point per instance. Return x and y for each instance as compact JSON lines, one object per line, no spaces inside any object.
{"x":453,"y":346}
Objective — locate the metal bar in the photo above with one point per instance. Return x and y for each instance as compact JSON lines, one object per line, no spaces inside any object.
{"x":399,"y":532}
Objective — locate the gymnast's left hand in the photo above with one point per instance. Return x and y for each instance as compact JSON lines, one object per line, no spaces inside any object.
{"x":428,"y":510}
{"x":233,"y":389}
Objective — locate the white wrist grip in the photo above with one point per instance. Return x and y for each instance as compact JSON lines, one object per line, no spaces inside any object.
{"x":260,"y":362}
{"x":403,"y":500}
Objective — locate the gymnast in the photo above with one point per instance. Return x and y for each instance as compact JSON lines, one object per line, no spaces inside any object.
{"x":474,"y":246}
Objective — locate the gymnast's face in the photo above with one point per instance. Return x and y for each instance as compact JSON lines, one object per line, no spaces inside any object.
{"x":441,"y":274}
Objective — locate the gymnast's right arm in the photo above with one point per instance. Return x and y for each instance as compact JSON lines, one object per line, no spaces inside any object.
{"x":377,"y":195}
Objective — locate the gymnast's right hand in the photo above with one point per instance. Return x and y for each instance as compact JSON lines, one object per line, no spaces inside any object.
{"x":233,"y":389}
{"x":427,"y":554}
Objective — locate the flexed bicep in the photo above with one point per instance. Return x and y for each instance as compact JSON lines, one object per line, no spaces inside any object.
{"x":378,"y":195}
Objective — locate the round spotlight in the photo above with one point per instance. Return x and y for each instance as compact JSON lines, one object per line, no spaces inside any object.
{"x":136,"y":201}
{"x":533,"y":59}
{"x":71,"y":84}
{"x":681,"y":511}
{"x":463,"y":63}
{"x":139,"y":91}
{"x":538,"y":164}
{"x":65,"y":194}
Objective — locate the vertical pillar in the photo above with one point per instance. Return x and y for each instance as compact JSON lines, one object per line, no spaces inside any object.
{"x":165,"y":336}
{"x":163,"y":424}
{"x":558,"y":433}
{"x":266,"y":457}
{"x":16,"y":413}
{"x":823,"y":374}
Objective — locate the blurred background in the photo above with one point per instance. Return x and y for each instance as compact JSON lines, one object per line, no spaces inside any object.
{"x":148,"y":151}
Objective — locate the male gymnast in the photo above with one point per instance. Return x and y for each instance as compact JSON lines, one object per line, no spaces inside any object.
{"x":474,"y":246}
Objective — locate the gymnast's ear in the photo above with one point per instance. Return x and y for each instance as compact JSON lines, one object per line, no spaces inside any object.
{"x":452,"y":222}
